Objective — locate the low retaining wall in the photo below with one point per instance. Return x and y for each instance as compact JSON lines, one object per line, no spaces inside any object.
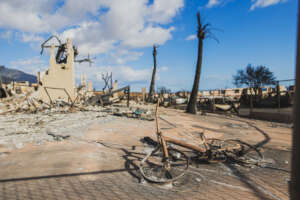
{"x":284,"y":115}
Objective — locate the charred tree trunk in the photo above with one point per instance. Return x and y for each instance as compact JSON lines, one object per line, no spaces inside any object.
{"x":152,"y":84}
{"x":191,"y":107}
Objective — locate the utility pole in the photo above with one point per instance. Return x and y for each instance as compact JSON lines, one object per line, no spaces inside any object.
{"x":295,"y":176}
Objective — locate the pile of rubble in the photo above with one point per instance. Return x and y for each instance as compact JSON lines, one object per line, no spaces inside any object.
{"x":47,"y":126}
{"x":25,"y":119}
{"x":30,"y":104}
{"x":138,"y":113}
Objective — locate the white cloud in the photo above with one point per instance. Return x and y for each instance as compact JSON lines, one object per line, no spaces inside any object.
{"x":112,"y":29}
{"x":38,"y":16}
{"x":124,"y":74}
{"x":191,"y":37}
{"x":79,"y":8}
{"x":130,"y":74}
{"x":163,"y":69}
{"x":264,"y":3}
{"x":149,"y":36}
{"x":6,"y":35}
{"x":125,"y":26}
{"x":162,"y":11}
{"x":23,"y":15}
{"x":212,"y":3}
{"x":31,"y":65}
{"x":122,"y":56}
{"x":30,"y":61}
{"x":254,"y":3}
{"x":30,"y":37}
{"x":96,"y":25}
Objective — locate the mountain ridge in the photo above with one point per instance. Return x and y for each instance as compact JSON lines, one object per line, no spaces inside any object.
{"x":9,"y":75}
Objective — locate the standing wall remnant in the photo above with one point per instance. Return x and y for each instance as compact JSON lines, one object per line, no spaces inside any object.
{"x":90,"y":87}
{"x":58,"y":81}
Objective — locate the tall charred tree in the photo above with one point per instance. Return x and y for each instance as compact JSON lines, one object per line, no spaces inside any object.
{"x":107,"y":81}
{"x":152,"y":84}
{"x":202,"y":33}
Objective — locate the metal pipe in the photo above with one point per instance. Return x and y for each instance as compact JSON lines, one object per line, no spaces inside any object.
{"x":184,"y":144}
{"x":63,"y":89}
{"x":286,"y":80}
{"x":48,"y":95}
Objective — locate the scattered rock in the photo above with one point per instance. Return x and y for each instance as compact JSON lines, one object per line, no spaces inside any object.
{"x":19,"y":145}
{"x":231,"y":125}
{"x":58,"y":137}
{"x":3,"y":154}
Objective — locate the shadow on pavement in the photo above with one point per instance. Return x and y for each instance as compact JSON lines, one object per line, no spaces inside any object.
{"x":63,"y":175}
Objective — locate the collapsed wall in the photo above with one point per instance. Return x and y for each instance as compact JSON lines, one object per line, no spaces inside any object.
{"x":58,"y":82}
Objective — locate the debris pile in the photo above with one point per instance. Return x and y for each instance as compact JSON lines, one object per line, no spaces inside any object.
{"x":22,"y":103}
{"x":47,"y":126}
{"x":137,"y":113}
{"x":30,"y":104}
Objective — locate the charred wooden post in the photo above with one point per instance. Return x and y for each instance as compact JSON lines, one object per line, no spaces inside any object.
{"x":39,"y":78}
{"x":251,"y":100}
{"x":128,"y":96}
{"x":143,"y":94}
{"x":213,"y":104}
{"x":278,"y":94}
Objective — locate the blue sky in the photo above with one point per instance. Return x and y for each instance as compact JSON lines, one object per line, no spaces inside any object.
{"x":120,"y":33}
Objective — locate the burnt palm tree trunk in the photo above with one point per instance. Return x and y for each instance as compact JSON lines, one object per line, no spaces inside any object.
{"x":191,"y":107}
{"x":152,"y":84}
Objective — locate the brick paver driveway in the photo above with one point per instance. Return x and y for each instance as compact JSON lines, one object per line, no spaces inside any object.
{"x":208,"y":182}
